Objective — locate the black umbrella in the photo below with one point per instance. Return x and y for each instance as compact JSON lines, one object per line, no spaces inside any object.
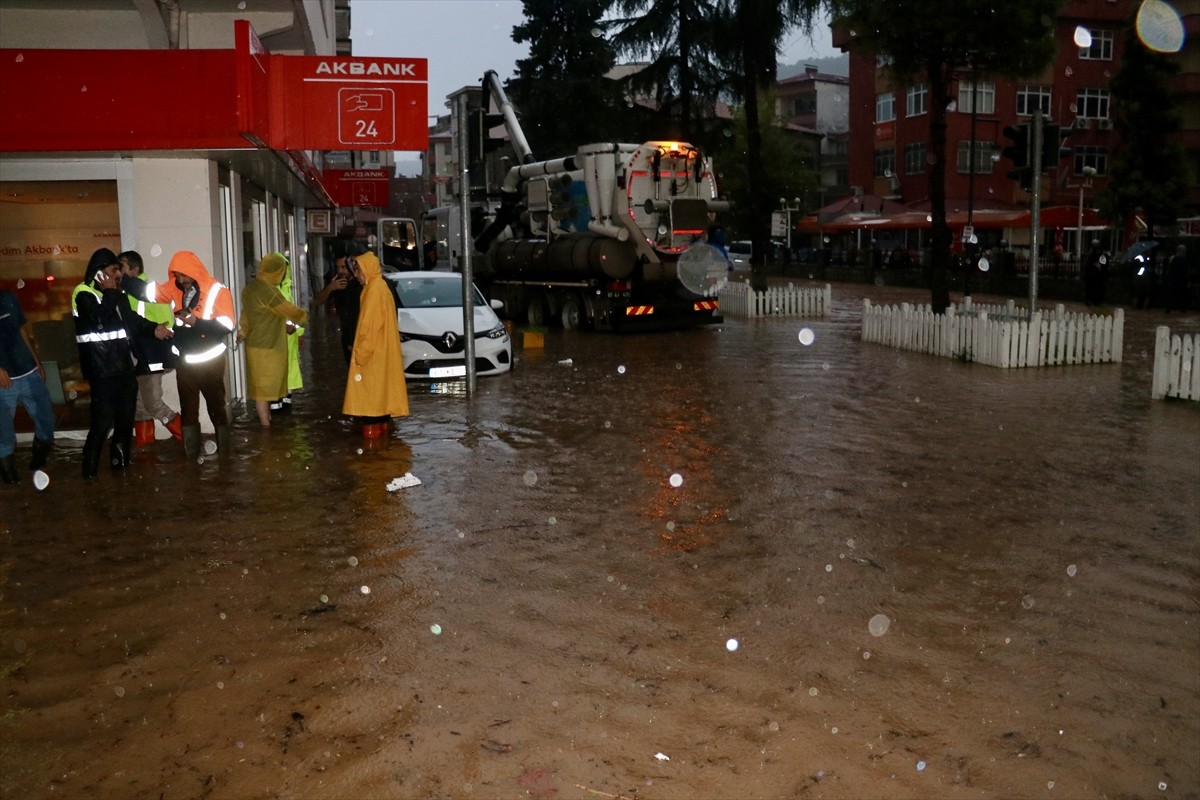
{"x":1139,"y":248}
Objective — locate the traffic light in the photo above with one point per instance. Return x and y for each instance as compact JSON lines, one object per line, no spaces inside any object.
{"x":480,"y":140}
{"x":1053,"y":148}
{"x":1018,"y":151}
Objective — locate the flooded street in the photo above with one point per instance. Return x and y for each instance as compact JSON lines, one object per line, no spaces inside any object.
{"x":702,"y":564}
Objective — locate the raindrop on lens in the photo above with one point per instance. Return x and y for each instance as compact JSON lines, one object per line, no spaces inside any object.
{"x":156,"y":250}
{"x":365,"y":589}
{"x":210,"y":447}
{"x":676,"y":480}
{"x":40,"y":480}
{"x":920,"y":766}
{"x":1162,"y":786}
{"x":1027,"y":602}
{"x":1071,"y":570}
{"x":879,"y":624}
{"x":324,"y":598}
{"x":731,"y":645}
{"x":621,"y":370}
{"x":530,"y":478}
{"x":807,"y":336}
{"x":435,"y":629}
{"x":352,"y":561}
{"x":119,"y":691}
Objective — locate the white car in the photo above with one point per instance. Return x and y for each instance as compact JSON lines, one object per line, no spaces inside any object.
{"x":429,"y":310}
{"x":739,"y":254}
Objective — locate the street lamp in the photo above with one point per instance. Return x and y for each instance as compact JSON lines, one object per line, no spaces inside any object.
{"x":1088,"y":174}
{"x":788,"y":209}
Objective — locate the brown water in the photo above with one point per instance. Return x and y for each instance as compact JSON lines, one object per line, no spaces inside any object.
{"x":263,"y":625}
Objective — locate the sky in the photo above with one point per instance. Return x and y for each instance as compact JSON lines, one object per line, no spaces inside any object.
{"x":462,"y":39}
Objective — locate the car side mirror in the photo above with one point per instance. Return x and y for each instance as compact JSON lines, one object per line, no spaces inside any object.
{"x":496,"y":304}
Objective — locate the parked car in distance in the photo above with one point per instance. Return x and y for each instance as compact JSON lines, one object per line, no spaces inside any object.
{"x":739,"y":254}
{"x":429,"y":310}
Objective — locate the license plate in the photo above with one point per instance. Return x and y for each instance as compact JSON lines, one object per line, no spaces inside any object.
{"x":448,"y":372}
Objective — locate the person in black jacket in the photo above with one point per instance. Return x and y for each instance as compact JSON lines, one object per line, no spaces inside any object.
{"x":104,"y":325}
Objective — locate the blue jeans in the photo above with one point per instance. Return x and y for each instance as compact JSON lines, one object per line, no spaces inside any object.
{"x":30,"y":391}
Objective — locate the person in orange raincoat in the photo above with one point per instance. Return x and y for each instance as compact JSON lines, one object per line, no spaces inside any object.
{"x":204,"y":317}
{"x":375,"y":388}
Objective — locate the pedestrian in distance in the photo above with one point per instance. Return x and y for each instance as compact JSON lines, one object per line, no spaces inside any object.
{"x":268,"y":322}
{"x":1177,"y":281}
{"x":104,"y":326}
{"x":204,"y":319}
{"x":22,"y":382}
{"x":155,"y":358}
{"x":375,"y":388}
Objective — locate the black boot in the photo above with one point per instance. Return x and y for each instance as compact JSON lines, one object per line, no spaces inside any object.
{"x":41,"y":452}
{"x":8,"y":469}
{"x":91,"y":462}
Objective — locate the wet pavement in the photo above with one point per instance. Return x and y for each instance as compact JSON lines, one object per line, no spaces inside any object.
{"x":711,"y":563}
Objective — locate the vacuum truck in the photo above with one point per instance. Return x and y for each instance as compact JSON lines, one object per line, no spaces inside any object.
{"x":611,"y":237}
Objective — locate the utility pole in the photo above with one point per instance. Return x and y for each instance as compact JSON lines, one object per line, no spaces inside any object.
{"x":1035,"y":223}
{"x":467,"y":245}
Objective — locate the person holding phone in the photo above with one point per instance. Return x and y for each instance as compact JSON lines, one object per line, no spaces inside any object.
{"x":104,"y":325}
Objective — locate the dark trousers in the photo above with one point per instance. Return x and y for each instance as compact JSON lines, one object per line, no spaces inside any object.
{"x":206,"y":378}
{"x":113,"y":404}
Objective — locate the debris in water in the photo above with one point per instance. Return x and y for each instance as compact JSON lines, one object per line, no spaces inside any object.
{"x":566,"y":362}
{"x":403,"y":482}
{"x":662,"y":756}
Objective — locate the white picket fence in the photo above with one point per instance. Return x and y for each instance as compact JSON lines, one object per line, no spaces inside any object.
{"x":1176,"y":365}
{"x":1049,"y":339}
{"x":739,"y":300}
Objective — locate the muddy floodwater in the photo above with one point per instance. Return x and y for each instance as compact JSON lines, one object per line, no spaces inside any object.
{"x":717,"y":563}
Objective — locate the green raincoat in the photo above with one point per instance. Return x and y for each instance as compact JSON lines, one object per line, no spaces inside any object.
{"x":264,"y":318}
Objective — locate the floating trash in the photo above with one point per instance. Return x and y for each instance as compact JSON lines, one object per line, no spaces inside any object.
{"x":403,"y":482}
{"x":566,"y":362}
{"x":662,"y":756}
{"x":731,"y":645}
{"x":879,"y":624}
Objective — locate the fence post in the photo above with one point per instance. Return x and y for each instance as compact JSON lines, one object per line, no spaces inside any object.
{"x":1118,"y":339}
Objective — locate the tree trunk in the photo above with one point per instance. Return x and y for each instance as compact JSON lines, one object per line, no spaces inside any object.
{"x":760,"y":231}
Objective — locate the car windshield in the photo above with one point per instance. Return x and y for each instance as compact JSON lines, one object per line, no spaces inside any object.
{"x":432,"y":293}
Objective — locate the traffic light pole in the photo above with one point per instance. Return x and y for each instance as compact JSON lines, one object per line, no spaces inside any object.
{"x":1035,"y":224}
{"x":466,"y":244}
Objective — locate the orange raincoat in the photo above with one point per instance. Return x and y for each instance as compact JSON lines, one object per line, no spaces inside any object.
{"x":375,"y":384}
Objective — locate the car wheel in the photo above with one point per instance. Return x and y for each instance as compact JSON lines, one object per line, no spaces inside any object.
{"x":570,"y":314}
{"x":535,"y":312}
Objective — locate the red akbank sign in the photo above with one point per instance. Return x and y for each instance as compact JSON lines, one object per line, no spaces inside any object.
{"x":98,"y":100}
{"x":357,"y":187}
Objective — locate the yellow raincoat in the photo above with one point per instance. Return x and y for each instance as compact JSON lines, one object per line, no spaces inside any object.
{"x":375,"y":384}
{"x":265,"y":314}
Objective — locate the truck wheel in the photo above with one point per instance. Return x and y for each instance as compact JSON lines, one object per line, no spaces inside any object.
{"x":570,"y":314}
{"x":535,"y":312}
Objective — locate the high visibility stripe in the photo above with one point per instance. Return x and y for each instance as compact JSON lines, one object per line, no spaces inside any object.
{"x":156,"y":366}
{"x":207,"y":355}
{"x":704,"y":305}
{"x":102,"y":336}
{"x":638,"y":311}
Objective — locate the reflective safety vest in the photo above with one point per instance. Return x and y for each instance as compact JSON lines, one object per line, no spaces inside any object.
{"x":104,"y":347}
{"x":153,"y":353}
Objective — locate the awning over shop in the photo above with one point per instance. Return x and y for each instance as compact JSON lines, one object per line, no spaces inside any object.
{"x":1066,"y":217}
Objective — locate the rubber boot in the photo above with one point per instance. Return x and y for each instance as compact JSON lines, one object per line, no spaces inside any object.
{"x":8,"y":469}
{"x":118,"y":453}
{"x":175,"y":426}
{"x":143,"y":432}
{"x":224,"y":440}
{"x":91,"y":462}
{"x":41,"y":454}
{"x":191,"y":441}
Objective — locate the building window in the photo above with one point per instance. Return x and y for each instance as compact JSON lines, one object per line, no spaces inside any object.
{"x":804,"y":105}
{"x":842,"y":176}
{"x":885,"y":107}
{"x":914,"y":158}
{"x":885,"y":162}
{"x":1091,"y":156}
{"x":840,"y":147}
{"x":985,"y":95}
{"x":1101,"y":49}
{"x":918,"y":100}
{"x":983,"y":157}
{"x":1091,"y":104}
{"x":1031,"y":98}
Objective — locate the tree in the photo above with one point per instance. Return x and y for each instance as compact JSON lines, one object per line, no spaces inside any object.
{"x":1147,"y":173}
{"x":561,"y":90}
{"x":936,"y":41}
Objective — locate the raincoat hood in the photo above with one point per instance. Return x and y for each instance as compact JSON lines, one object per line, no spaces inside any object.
{"x":272,"y":269}
{"x":369,"y":264}
{"x":185,"y":262}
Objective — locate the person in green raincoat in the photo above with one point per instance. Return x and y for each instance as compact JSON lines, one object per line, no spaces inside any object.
{"x":295,"y":381}
{"x":375,"y":388}
{"x":266,"y":320}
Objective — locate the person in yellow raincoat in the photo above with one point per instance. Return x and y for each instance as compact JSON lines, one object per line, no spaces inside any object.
{"x":295,"y":379}
{"x":267,"y":321}
{"x":375,"y":388}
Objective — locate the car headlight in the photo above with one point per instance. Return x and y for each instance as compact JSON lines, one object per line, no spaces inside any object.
{"x":498,"y":332}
